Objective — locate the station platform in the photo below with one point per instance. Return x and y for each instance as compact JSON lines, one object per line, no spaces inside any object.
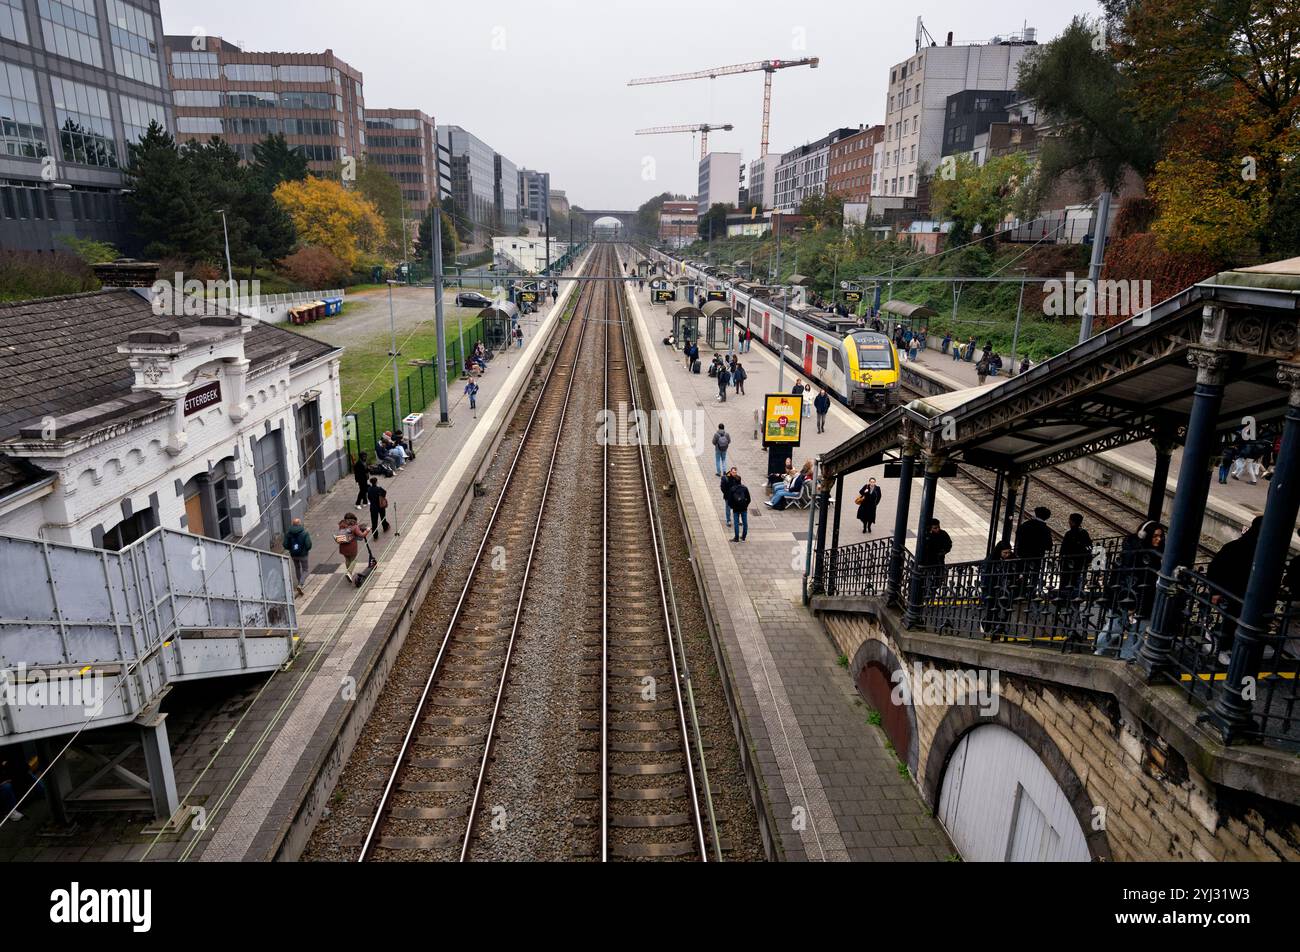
{"x":252,"y":760}
{"x":816,"y":753}
{"x":1231,"y":506}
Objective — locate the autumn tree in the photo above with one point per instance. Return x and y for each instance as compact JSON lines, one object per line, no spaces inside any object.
{"x":981,"y":196}
{"x":332,"y":217}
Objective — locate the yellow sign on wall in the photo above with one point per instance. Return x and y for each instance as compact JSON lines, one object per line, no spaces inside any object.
{"x":328,"y":428}
{"x":781,"y":420}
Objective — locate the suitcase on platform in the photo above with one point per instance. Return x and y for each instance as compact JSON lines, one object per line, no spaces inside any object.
{"x":695,"y":367}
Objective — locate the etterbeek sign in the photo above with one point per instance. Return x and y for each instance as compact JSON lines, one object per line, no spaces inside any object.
{"x":202,"y":398}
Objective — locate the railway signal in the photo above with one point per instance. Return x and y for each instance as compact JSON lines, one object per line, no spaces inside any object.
{"x":767,"y":67}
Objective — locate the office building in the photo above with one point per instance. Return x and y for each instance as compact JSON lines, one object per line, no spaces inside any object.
{"x":678,"y":224}
{"x":719,"y":181}
{"x":803,"y":171}
{"x":534,"y":196}
{"x":762,"y":179}
{"x":405,"y":143}
{"x":505,"y":189}
{"x":315,"y":100}
{"x":80,"y":80}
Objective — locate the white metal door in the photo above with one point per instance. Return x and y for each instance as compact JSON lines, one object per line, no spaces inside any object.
{"x":1000,"y":803}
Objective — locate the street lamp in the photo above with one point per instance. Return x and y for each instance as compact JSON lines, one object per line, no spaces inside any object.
{"x":230,"y":272}
{"x":392,"y":328}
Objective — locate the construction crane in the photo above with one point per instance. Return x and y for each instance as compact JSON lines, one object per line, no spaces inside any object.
{"x":702,"y":128}
{"x":768,"y":67}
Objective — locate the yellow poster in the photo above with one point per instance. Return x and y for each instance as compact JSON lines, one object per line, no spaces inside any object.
{"x":329,"y":428}
{"x":781,"y":420}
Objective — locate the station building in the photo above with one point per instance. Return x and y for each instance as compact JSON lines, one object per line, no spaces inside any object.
{"x":115,"y":421}
{"x":78,"y":84}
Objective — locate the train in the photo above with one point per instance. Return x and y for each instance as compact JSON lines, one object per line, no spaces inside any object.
{"x":857,"y":365}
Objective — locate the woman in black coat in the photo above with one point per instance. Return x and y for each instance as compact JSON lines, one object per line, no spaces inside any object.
{"x":870,"y":496}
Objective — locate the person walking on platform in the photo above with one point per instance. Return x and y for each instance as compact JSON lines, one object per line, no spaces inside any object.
{"x":739,"y":501}
{"x":982,"y":370}
{"x":823,"y":406}
{"x":471,"y":391}
{"x":1076,"y":550}
{"x":351,"y":533}
{"x":797,"y":392}
{"x":728,"y":481}
{"x":738,"y":376}
{"x":377,"y":496}
{"x":868,"y":500}
{"x":1226,"y":459}
{"x":724,"y":381}
{"x":746,"y":338}
{"x":721,"y":443}
{"x":297,"y":542}
{"x":933,"y":563}
{"x":361,"y":473}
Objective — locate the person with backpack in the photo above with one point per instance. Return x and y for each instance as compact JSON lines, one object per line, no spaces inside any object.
{"x":349,"y":538}
{"x":739,"y":501}
{"x":377,"y":495}
{"x":721,"y":443}
{"x":361,"y":473}
{"x":297,"y":542}
{"x":738,"y":375}
{"x":982,"y":369}
{"x":822,"y":404}
{"x":724,"y":381}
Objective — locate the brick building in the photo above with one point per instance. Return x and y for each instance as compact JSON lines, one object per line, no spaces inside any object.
{"x":405,"y":143}
{"x":851,"y":164}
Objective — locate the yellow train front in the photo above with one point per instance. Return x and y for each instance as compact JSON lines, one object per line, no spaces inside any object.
{"x":871,"y":370}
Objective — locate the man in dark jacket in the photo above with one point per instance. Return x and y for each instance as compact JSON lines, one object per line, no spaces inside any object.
{"x":1131,"y":591}
{"x":1033,"y":542}
{"x":297,"y":542}
{"x":361,"y":473}
{"x":739,"y":501}
{"x":1076,"y":549}
{"x":724,"y":381}
{"x":728,"y":482}
{"x":377,"y":496}
{"x":998,"y":577}
{"x":823,"y":406}
{"x":1229,"y":572}
{"x":937,"y":546}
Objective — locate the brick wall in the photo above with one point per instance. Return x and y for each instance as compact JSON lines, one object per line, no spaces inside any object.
{"x":1136,"y":797}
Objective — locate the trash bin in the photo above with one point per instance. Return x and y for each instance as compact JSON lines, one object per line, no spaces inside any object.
{"x":333,"y":306}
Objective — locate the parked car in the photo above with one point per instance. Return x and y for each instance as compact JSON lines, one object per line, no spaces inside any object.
{"x":472,"y":299}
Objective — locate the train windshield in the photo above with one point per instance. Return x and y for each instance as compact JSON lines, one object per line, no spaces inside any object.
{"x":874,"y":353}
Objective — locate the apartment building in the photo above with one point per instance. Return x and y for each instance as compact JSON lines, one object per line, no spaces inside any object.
{"x":405,"y":143}
{"x":678,"y":224}
{"x":803,"y":171}
{"x":851,"y":163}
{"x":762,"y":179}
{"x":534,"y":196}
{"x":80,"y":80}
{"x":315,"y":100}
{"x":917,"y":101}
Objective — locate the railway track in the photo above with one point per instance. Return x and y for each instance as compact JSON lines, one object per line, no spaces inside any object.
{"x":650,"y":795}
{"x":432,"y":806}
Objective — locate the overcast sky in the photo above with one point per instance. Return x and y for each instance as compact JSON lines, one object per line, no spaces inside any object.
{"x":545,"y":82}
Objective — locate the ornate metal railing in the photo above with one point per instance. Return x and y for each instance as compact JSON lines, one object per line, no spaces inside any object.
{"x":859,"y":569}
{"x":1206,"y":642}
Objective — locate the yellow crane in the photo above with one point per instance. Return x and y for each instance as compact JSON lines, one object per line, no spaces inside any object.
{"x":768,"y":67}
{"x":703,"y":128}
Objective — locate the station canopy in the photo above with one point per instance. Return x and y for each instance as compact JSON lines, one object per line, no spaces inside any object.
{"x":908,"y":311}
{"x":799,"y":280}
{"x":1134,"y":381}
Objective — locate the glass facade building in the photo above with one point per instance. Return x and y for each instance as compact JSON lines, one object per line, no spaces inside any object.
{"x":80,"y":80}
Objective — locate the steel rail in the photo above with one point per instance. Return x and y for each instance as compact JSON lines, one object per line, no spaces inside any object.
{"x":368,"y":844}
{"x":680,"y":683}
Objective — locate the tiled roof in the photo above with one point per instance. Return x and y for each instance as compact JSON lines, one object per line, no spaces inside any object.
{"x":59,"y":355}
{"x":17,"y":473}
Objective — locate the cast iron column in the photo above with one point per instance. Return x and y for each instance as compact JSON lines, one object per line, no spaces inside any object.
{"x":835,"y":533}
{"x":916,"y":589}
{"x":1009,"y":517}
{"x":1164,"y":444}
{"x":910,"y":452}
{"x":1232,"y":711}
{"x":1189,"y":506}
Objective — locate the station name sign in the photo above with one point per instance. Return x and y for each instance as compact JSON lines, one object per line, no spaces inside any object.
{"x":202,"y":398}
{"x":662,"y":295}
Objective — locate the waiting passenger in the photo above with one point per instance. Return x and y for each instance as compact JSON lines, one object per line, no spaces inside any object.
{"x":1131,"y":591}
{"x":790,"y":490}
{"x":998,"y":576}
{"x":1076,"y":550}
{"x":868,"y":500}
{"x":1229,"y":571}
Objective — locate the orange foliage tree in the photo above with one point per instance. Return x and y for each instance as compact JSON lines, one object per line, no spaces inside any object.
{"x":329,"y":216}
